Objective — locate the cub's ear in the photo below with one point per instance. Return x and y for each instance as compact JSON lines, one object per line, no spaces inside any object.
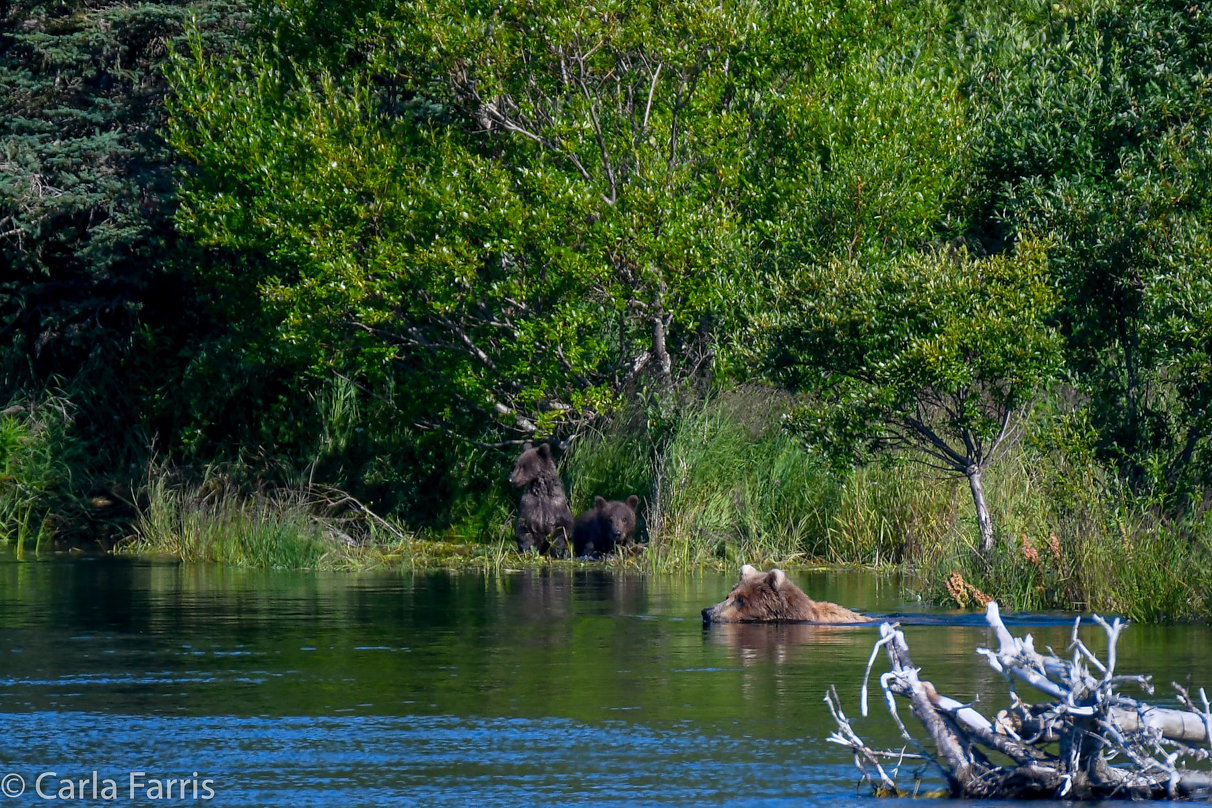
{"x":633,"y":502}
{"x":545,"y":450}
{"x":527,"y":446}
{"x":776,"y":579}
{"x":748,"y":570}
{"x":599,"y":503}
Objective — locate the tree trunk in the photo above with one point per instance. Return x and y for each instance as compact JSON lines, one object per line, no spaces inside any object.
{"x":982,"y":510}
{"x":1177,"y":725}
{"x":659,"y":352}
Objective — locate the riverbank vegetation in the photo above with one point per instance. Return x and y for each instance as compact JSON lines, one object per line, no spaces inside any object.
{"x":923,"y":285}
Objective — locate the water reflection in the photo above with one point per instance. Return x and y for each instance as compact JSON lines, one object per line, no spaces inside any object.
{"x":514,"y":689}
{"x":784,"y":642}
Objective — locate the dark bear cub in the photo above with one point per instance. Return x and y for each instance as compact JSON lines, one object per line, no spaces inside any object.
{"x":544,"y":518}
{"x":607,"y":526}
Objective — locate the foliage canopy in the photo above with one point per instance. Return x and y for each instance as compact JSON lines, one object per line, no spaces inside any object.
{"x":368,"y":242}
{"x":938,"y":353}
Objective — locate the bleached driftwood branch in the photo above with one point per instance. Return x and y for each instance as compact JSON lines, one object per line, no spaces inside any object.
{"x":1086,"y":740}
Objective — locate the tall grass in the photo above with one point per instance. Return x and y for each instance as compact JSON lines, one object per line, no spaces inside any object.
{"x":212,"y":521}
{"x":731,"y":485}
{"x":304,"y":527}
{"x":888,"y":511}
{"x":1073,"y":537}
{"x":726,"y":484}
{"x":613,"y":463}
{"x":34,"y":472}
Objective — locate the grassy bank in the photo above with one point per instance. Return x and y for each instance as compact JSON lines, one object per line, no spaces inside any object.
{"x":722,"y":484}
{"x":35,"y":471}
{"x":306,"y":527}
{"x":726,"y":484}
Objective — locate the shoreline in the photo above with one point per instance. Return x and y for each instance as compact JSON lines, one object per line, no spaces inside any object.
{"x":1013,"y":578}
{"x":454,"y":556}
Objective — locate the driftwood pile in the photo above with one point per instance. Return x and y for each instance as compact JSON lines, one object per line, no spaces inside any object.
{"x":1087,"y":740}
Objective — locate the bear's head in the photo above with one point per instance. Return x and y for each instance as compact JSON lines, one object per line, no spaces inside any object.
{"x":759,"y":597}
{"x":618,"y":517}
{"x":534,"y":463}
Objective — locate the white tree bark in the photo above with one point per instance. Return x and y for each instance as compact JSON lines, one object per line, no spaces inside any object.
{"x":1087,"y":741}
{"x":982,"y":510}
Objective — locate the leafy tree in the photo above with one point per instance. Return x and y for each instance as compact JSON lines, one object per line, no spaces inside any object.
{"x":871,"y":157}
{"x":396,"y":254}
{"x":643,"y":123}
{"x":939,"y":353}
{"x":512,"y":211}
{"x":1095,"y":130}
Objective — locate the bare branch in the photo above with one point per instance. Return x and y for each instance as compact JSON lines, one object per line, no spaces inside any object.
{"x":1087,"y":718}
{"x":652,"y":89}
{"x":926,"y":432}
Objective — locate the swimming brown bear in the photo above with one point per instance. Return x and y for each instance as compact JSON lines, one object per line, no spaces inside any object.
{"x":768,"y":597}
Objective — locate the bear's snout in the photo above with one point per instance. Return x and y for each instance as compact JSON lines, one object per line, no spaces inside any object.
{"x":707,"y":615}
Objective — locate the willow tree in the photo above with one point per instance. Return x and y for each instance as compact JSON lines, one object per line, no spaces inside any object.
{"x":514,"y":211}
{"x":940,"y":354}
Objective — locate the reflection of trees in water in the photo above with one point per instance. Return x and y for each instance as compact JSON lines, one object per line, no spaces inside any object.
{"x":554,"y":595}
{"x":587,"y":644}
{"x":533,"y":595}
{"x":603,"y":592}
{"x":570,"y":642}
{"x":782,"y":642}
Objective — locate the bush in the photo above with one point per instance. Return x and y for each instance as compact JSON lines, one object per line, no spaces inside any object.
{"x":34,"y":472}
{"x":215,"y":519}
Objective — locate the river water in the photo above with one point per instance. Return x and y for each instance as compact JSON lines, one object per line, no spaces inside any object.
{"x":451,"y":689}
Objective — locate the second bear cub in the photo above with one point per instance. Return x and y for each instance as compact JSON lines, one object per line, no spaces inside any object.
{"x":607,"y":526}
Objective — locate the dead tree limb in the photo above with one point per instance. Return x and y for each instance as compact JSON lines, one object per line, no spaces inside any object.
{"x":1086,"y":740}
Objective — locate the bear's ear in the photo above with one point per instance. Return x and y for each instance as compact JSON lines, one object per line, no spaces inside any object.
{"x":599,"y":502}
{"x":633,"y":502}
{"x":747,"y":571}
{"x":527,"y":446}
{"x":776,"y":579}
{"x":545,"y":450}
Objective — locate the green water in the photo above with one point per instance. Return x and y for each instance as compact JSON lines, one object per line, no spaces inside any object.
{"x":514,"y":689}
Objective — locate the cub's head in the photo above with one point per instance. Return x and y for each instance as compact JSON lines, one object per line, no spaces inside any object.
{"x":618,"y":517}
{"x":534,"y":462}
{"x":758,"y":597}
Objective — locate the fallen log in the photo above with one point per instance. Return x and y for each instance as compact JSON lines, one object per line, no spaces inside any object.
{"x":1173,"y":725}
{"x":1087,"y":740}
